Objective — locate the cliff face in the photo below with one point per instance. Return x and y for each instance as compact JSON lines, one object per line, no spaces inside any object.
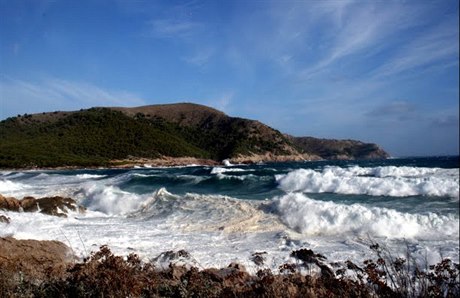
{"x":113,"y":136}
{"x":339,"y":149}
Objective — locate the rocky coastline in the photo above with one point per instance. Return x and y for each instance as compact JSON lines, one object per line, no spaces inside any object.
{"x":32,"y":268}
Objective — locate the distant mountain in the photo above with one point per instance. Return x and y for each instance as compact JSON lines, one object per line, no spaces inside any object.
{"x":339,"y":149}
{"x":113,"y":136}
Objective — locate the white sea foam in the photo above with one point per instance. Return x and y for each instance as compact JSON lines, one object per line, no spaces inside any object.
{"x":90,"y":176}
{"x":195,"y":212}
{"x":312,"y":217}
{"x":217,"y":229}
{"x":110,"y":200}
{"x":8,"y":187}
{"x":381,"y":181}
{"x":220,"y":170}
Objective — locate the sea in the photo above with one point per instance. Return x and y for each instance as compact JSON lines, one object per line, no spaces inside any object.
{"x":231,"y":213}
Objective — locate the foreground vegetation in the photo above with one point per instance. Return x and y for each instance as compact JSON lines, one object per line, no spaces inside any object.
{"x":107,"y":275}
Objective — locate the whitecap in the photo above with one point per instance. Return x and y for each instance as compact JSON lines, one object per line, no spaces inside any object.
{"x":8,"y":187}
{"x":90,"y":176}
{"x":220,"y":170}
{"x":312,"y":217}
{"x":388,"y":181}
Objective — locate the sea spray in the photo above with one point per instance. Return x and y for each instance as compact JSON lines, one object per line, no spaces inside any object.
{"x":375,"y":182}
{"x":312,"y":217}
{"x":226,"y":214}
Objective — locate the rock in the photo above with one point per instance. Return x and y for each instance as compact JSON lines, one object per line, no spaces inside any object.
{"x":5,"y":219}
{"x":29,"y":204}
{"x":56,"y":206}
{"x":36,"y":259}
{"x":180,"y":258}
{"x":258,"y":258}
{"x":10,"y":204}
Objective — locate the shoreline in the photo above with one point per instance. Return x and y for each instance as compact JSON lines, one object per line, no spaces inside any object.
{"x":167,"y":161}
{"x":129,"y":164}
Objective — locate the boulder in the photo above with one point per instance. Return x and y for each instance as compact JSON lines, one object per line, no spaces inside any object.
{"x":9,"y":204}
{"x":36,"y":259}
{"x":5,"y":219}
{"x":57,"y":206}
{"x":29,"y":204}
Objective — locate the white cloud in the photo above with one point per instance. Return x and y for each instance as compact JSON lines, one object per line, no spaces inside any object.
{"x":200,"y":57}
{"x":49,"y":94}
{"x":394,"y":111}
{"x":362,"y":28}
{"x":221,"y":102}
{"x":173,"y":28}
{"x":440,"y":44}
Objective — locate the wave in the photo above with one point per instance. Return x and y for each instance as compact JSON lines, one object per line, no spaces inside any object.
{"x":235,"y":177}
{"x":196,"y":212}
{"x":189,"y":212}
{"x":109,"y":199}
{"x":220,"y":170}
{"x":7,"y":187}
{"x":380,"y":181}
{"x":311,"y":217}
{"x":90,"y":176}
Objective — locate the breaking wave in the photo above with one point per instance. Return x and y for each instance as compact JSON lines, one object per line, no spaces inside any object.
{"x":312,"y":217}
{"x":379,"y":181}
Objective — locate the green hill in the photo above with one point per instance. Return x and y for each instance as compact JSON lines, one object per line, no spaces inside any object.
{"x":100,"y":136}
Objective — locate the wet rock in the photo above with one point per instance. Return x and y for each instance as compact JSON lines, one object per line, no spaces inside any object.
{"x":180,"y":258}
{"x":29,"y":204}
{"x":258,"y":258}
{"x":5,"y":219}
{"x":10,"y":204}
{"x":57,"y":206}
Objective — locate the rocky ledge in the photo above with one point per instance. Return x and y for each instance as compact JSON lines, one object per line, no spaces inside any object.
{"x":57,"y":206}
{"x":33,"y":258}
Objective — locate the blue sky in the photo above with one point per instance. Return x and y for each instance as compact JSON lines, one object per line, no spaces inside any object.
{"x":378,"y":71}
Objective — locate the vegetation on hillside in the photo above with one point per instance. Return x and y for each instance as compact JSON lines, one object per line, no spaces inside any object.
{"x":99,"y":136}
{"x":339,"y":149}
{"x":85,"y":138}
{"x":96,"y":136}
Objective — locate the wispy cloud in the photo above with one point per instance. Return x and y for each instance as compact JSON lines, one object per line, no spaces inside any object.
{"x":446,"y":121}
{"x":57,"y":94}
{"x":440,"y":44}
{"x":396,"y":110}
{"x":200,"y":57}
{"x":173,"y":28}
{"x":359,"y":29}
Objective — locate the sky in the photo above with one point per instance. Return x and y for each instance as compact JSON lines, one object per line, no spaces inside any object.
{"x":385,"y":72}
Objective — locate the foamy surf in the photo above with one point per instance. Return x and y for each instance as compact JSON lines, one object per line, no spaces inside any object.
{"x":225,"y":214}
{"x":381,"y":181}
{"x":311,"y":217}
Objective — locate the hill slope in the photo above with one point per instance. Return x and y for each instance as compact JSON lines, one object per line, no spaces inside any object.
{"x":101,"y":136}
{"x":339,"y":149}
